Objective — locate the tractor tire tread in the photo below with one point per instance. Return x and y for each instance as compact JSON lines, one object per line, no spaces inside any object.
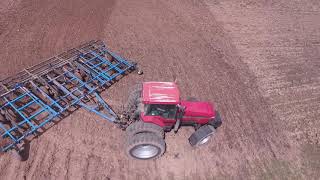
{"x":217,"y":121}
{"x":200,"y":134}
{"x":141,"y":127}
{"x":134,"y":96}
{"x":146,"y":138}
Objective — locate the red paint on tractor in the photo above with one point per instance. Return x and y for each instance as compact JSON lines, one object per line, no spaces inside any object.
{"x":198,"y":109}
{"x":158,"y":120}
{"x":160,"y":93}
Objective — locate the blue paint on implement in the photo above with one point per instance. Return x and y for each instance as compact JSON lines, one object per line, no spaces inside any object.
{"x":37,"y":96}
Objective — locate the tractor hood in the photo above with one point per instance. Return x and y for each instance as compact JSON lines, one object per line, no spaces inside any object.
{"x":198,"y":109}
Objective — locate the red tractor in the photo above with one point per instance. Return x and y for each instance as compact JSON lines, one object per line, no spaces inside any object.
{"x":155,"y":108}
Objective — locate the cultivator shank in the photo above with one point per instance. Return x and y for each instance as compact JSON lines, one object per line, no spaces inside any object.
{"x":41,"y":94}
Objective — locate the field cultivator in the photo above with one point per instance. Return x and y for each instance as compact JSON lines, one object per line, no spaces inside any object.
{"x":33,"y":99}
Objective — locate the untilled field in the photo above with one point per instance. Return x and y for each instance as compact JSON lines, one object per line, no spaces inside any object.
{"x":259,"y":61}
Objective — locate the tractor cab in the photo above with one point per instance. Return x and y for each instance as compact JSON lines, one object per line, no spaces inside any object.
{"x":167,"y":111}
{"x":160,"y":99}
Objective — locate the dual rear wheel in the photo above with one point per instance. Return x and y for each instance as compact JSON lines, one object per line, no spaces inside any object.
{"x":146,"y":140}
{"x":145,"y":146}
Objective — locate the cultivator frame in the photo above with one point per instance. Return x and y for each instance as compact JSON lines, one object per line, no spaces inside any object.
{"x":48,"y":91}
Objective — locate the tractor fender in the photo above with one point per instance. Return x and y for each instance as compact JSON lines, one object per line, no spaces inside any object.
{"x":152,"y":119}
{"x":216,"y":121}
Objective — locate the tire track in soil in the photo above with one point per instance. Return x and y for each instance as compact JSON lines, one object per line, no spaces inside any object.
{"x":86,"y":168}
{"x":68,"y":159}
{"x":38,"y":165}
{"x":93,"y":169}
{"x":31,"y":162}
{"x":48,"y":161}
{"x":279,"y":42}
{"x":78,"y":166}
{"x":9,"y":166}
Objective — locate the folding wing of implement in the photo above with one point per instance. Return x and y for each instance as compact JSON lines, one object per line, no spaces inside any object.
{"x":34,"y":98}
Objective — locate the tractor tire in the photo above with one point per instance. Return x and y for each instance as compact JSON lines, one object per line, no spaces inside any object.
{"x":134,"y":97}
{"x":201,"y":136}
{"x":136,"y":87}
{"x":142,"y":127}
{"x":216,"y":122}
{"x":145,"y":146}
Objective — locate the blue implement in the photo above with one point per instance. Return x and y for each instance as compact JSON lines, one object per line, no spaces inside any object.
{"x":32,"y":99}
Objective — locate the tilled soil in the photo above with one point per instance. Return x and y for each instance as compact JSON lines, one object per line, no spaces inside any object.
{"x":257,"y":61}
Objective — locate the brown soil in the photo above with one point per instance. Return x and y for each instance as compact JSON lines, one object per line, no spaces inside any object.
{"x":257,"y":60}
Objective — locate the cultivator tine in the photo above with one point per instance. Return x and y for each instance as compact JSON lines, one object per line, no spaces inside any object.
{"x":38,"y":95}
{"x":52,"y":102}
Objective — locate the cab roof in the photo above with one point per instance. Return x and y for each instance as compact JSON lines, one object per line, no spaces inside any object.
{"x":160,"y":93}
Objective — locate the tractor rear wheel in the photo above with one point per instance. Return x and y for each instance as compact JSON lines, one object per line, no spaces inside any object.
{"x":202,"y":135}
{"x":145,"y":146}
{"x":142,"y":127}
{"x":134,"y":96}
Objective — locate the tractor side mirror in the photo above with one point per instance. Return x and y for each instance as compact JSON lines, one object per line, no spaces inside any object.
{"x":180,"y":112}
{"x":181,"y":108}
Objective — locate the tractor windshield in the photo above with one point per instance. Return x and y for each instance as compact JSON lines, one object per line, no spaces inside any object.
{"x":167,"y":111}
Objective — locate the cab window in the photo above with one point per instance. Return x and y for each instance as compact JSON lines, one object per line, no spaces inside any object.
{"x":167,"y":111}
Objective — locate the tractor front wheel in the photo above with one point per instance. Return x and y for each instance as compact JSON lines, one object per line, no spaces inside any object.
{"x":145,"y":146}
{"x":217,"y":121}
{"x":202,"y":135}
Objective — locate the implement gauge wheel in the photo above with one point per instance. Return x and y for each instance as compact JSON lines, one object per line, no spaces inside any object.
{"x":145,"y":146}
